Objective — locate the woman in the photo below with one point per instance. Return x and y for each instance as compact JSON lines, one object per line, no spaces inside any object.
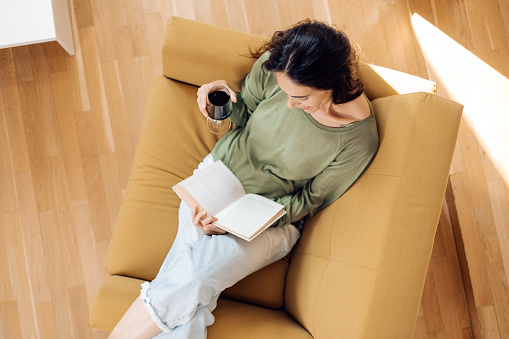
{"x":304,"y":133}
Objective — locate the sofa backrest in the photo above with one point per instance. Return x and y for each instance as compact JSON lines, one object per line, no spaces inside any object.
{"x":223,"y":54}
{"x":198,"y":53}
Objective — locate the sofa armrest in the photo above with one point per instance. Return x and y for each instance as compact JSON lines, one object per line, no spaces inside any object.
{"x":198,"y":53}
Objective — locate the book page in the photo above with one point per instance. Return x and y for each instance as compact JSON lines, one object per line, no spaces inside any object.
{"x":248,"y":215}
{"x":214,"y":188}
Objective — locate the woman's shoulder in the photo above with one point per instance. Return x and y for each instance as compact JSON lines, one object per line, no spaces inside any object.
{"x":262,"y":78}
{"x":258,"y":64}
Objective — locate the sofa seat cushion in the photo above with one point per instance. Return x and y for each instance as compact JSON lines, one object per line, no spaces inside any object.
{"x":234,"y":319}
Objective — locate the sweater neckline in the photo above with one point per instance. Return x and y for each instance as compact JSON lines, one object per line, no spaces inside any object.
{"x":350,"y":126}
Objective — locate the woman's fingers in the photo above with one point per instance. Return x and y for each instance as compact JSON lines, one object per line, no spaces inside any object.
{"x":204,"y":221}
{"x":197,"y":217}
{"x":204,"y":90}
{"x":202,"y":101}
{"x":213,"y":230}
{"x":207,"y":220}
{"x":233,"y":95}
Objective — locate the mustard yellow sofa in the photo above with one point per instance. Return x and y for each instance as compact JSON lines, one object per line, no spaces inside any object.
{"x":359,"y":268}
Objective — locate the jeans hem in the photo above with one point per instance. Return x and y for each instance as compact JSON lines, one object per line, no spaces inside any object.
{"x":150,"y":309}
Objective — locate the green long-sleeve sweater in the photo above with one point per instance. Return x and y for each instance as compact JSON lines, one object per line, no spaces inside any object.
{"x":286,"y":155}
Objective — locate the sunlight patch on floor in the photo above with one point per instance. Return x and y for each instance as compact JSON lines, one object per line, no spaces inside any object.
{"x":465,"y":78}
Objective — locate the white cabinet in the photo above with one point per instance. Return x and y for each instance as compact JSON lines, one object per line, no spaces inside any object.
{"x":24,"y":22}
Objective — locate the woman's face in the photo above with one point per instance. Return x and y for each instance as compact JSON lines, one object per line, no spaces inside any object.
{"x":306,"y":98}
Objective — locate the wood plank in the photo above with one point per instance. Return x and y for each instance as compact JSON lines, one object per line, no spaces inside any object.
{"x":456,"y":230}
{"x":136,"y":24}
{"x":130,"y":79}
{"x":21,"y":278}
{"x":489,"y":322}
{"x":56,"y":269}
{"x":6,"y":282}
{"x":46,"y":320}
{"x":64,"y":105}
{"x":423,"y":8}
{"x":23,"y":66}
{"x":212,"y":12}
{"x":150,"y":6}
{"x":44,"y":95}
{"x":236,"y":14}
{"x":431,"y":305}
{"x":56,"y":56}
{"x":167,"y":9}
{"x":396,"y":59}
{"x":503,"y":7}
{"x":125,"y":141}
{"x":321,"y":11}
{"x":76,"y":69}
{"x":470,"y":234}
{"x":83,"y":13}
{"x":78,"y":302}
{"x":12,"y":112}
{"x":93,"y":178}
{"x":95,"y":85}
{"x":290,"y":14}
{"x":451,"y":276}
{"x":67,"y":233}
{"x":450,"y":297}
{"x":345,"y":15}
{"x":32,"y":121}
{"x":9,"y":319}
{"x":263,"y":17}
{"x":500,"y":212}
{"x":414,"y":58}
{"x":184,"y":8}
{"x":103,"y":29}
{"x":473,"y":165}
{"x":488,"y":23}
{"x":420,"y":331}
{"x":8,"y":201}
{"x":494,"y":267}
{"x":452,"y":18}
{"x":154,"y":26}
{"x":36,"y":260}
{"x":114,"y":188}
{"x":118,"y":10}
{"x":92,"y":267}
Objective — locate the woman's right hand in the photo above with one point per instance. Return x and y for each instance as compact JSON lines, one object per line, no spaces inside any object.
{"x":205,"y":222}
{"x":204,"y":90}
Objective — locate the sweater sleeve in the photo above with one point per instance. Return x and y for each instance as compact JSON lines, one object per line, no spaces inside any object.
{"x":251,"y":93}
{"x":330,"y":184}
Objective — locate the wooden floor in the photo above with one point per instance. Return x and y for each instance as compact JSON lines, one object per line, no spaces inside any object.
{"x":469,"y":59}
{"x":69,"y":126}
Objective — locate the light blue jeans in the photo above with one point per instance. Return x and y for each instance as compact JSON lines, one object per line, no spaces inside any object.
{"x":199,"y":267}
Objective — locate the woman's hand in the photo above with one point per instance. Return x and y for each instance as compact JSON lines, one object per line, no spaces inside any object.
{"x":203,"y":221}
{"x":204,"y":90}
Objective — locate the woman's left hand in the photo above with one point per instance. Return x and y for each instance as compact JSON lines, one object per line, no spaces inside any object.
{"x":204,"y":222}
{"x":204,"y":90}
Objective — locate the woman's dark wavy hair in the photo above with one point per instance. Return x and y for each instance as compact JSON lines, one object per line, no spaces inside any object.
{"x":317,"y":55}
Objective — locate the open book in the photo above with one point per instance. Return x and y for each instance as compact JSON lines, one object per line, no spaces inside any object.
{"x":216,"y":190}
